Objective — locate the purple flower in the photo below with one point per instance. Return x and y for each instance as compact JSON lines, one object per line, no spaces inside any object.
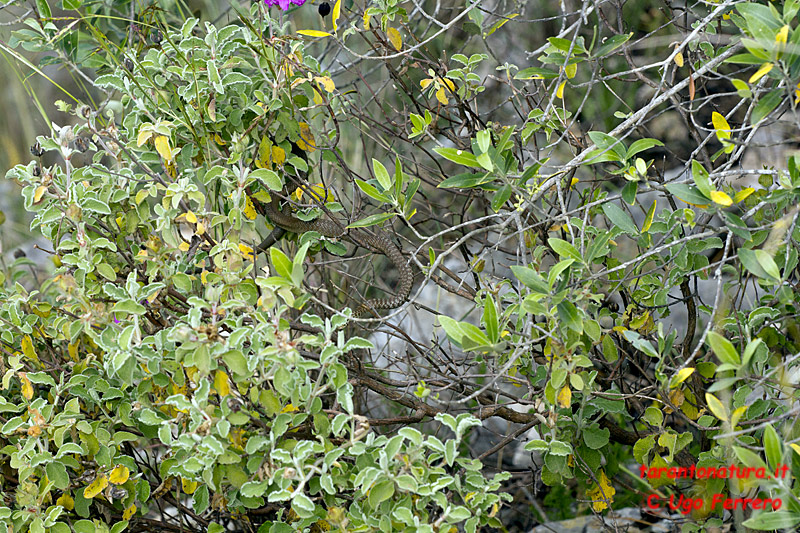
{"x":284,"y":4}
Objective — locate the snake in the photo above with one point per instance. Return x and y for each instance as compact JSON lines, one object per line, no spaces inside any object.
{"x":374,"y":242}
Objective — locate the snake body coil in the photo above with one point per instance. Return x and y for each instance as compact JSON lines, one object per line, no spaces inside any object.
{"x":375,"y":243}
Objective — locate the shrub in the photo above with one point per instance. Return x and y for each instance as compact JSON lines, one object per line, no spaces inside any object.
{"x":184,"y":368}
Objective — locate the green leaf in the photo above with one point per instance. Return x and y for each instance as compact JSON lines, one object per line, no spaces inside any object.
{"x":57,"y":473}
{"x":236,"y":361}
{"x":723,"y":348}
{"x":737,"y":226}
{"x":84,"y":526}
{"x":297,"y":265}
{"x":105,"y":270}
{"x":372,"y":220}
{"x":772,"y":447}
{"x":484,"y":140}
{"x":774,"y":520}
{"x":754,"y":263}
{"x":641,"y":145}
{"x":213,"y":76}
{"x":466,"y":180}
{"x":269,"y":178}
{"x":303,"y":505}
{"x":459,"y":157}
{"x":608,"y":148}
{"x":620,"y":219}
{"x":629,"y":192}
{"x":485,"y":160}
{"x":282,"y":264}
{"x":595,"y":437}
{"x":382,"y":175}
{"x":701,"y":179}
{"x":688,"y":193}
{"x":128,"y":306}
{"x":530,"y":278}
{"x":560,"y":448}
{"x":768,"y":264}
{"x":372,"y":192}
{"x":564,"y":249}
{"x":44,"y":9}
{"x":452,"y":328}
{"x":569,"y":316}
{"x":490,"y":321}
{"x":536,"y":73}
{"x":501,"y":197}
{"x":382,"y":491}
{"x":611,"y":44}
{"x":766,"y":105}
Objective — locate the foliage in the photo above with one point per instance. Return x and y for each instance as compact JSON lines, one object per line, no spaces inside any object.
{"x":170,"y":360}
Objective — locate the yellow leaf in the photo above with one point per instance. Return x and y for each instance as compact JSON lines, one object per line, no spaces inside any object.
{"x":162,"y":147}
{"x":427,"y":81}
{"x":27,"y":348}
{"x":219,"y":140}
{"x":67,"y":502}
{"x":308,"y":143}
{"x":144,"y":135}
{"x":337,"y":9}
{"x":367,"y":16}
{"x":27,"y":387}
{"x":37,"y":196}
{"x":188,"y":486}
{"x":682,"y":375}
{"x":290,"y":408}
{"x":679,"y":59}
{"x":191,"y":217}
{"x":721,"y":198}
{"x":716,"y":407}
{"x":96,"y":487}
{"x":172,"y":170}
{"x":141,"y":195}
{"x":119,"y":475}
{"x":183,"y":246}
{"x":278,"y":155}
{"x":317,"y":97}
{"x":782,"y":35}
{"x":262,"y":159}
{"x":249,"y":209}
{"x":574,"y":181}
{"x":689,"y":407}
{"x":721,"y":126}
{"x":326,"y":82}
{"x":648,"y":220}
{"x":441,"y":95}
{"x":795,"y":447}
{"x":737,"y":415}
{"x":129,"y":512}
{"x":560,"y":91}
{"x":500,"y":24}
{"x":744,"y":193}
{"x":571,"y":70}
{"x":449,"y":83}
{"x":314,"y":33}
{"x":765,"y":68}
{"x":601,"y":493}
{"x":395,"y":38}
{"x":221,"y":382}
{"x":564,"y":397}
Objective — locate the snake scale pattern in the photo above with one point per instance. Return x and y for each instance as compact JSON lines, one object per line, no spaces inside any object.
{"x":376,"y":243}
